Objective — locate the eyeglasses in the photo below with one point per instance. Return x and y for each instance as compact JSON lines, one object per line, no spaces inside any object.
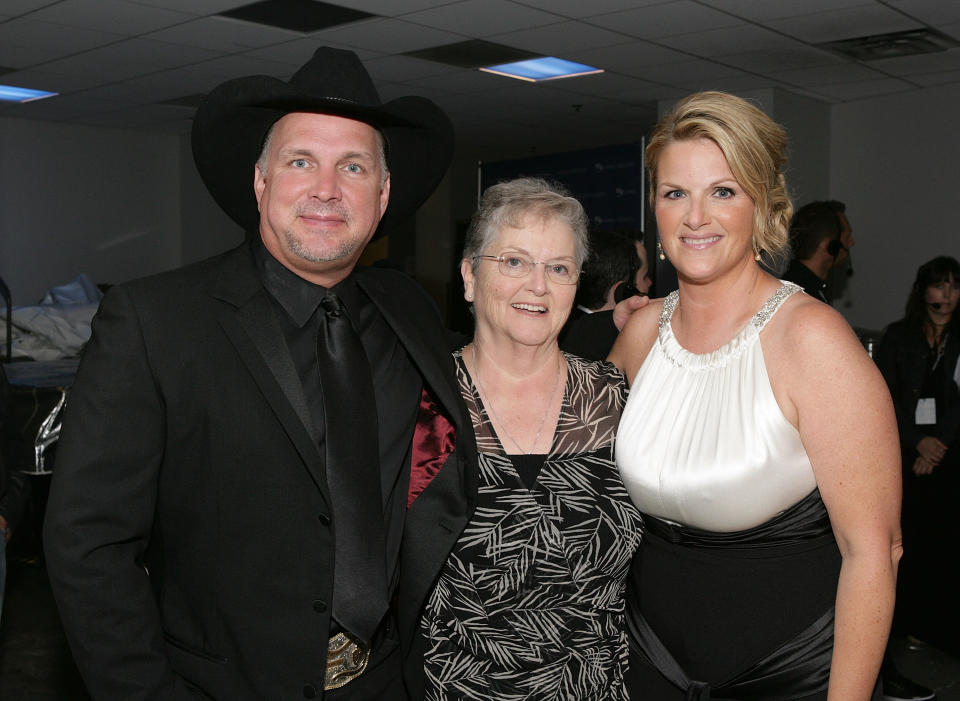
{"x":562,"y":272}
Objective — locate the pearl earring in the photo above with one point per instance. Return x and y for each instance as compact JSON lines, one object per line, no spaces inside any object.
{"x":660,"y":253}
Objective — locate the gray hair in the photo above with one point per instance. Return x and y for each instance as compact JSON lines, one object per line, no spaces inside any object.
{"x":507,"y":203}
{"x":381,"y":153}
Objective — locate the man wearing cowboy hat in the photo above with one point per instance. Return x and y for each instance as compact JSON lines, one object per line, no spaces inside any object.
{"x":266,"y":459}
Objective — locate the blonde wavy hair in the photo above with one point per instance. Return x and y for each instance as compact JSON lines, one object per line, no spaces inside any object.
{"x":755,"y":148}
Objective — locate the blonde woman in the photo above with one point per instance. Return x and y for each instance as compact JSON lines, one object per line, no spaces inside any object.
{"x":759,"y":440}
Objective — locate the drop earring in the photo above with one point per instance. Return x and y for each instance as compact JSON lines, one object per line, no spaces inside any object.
{"x":660,"y":254}
{"x":757,"y":252}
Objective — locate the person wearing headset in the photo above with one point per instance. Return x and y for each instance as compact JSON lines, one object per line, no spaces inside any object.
{"x":820,"y":238}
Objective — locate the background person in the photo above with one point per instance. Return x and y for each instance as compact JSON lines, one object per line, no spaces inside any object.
{"x":530,"y":603}
{"x":266,"y":458}
{"x":918,"y":357}
{"x":757,"y":440}
{"x":820,"y":238}
{"x":14,"y":487}
{"x":616,"y":268}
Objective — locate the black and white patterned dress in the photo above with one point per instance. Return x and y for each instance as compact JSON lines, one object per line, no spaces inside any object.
{"x":530,"y":602}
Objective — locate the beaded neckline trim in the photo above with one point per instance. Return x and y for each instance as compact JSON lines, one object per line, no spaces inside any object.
{"x":681,"y":356}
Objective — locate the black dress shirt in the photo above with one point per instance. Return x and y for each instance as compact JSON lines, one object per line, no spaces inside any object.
{"x":396,"y":382}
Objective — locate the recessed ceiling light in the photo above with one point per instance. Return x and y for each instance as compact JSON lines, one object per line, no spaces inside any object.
{"x":10,"y":93}
{"x":546,"y":68}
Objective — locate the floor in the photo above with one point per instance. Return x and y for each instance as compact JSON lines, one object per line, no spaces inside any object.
{"x":36,"y":665}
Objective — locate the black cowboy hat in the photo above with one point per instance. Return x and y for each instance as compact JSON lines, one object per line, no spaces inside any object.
{"x":230,"y":126}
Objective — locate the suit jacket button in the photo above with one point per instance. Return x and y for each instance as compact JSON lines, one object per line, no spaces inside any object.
{"x":319,"y":606}
{"x":324,"y":519}
{"x":310,"y":691}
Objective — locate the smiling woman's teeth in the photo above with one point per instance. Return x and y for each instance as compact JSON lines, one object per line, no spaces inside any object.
{"x":698,"y":241}
{"x":529,"y":307}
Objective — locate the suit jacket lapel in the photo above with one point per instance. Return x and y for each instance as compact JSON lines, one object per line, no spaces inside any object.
{"x":409,"y":329}
{"x":251,"y":325}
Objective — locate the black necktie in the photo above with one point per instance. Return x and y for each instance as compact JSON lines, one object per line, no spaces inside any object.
{"x":353,"y":472}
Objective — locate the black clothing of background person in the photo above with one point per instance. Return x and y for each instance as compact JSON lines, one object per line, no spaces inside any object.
{"x":927,"y":603}
{"x":800,"y":274}
{"x":591,"y":336}
{"x":14,"y":484}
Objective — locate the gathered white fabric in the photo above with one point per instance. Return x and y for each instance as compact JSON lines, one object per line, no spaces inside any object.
{"x":702,"y":441}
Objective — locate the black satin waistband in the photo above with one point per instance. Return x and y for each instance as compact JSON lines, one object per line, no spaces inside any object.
{"x":798,"y":668}
{"x":805,"y":521}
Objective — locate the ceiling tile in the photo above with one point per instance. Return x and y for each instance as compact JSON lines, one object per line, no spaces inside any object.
{"x":236,"y":65}
{"x":55,"y":82}
{"x":201,"y":8}
{"x":726,"y":40}
{"x":930,"y":11}
{"x":730,"y":83}
{"x":931,"y":79}
{"x":406,"y":68}
{"x":612,"y":85}
{"x":19,"y":7}
{"x":25,"y":42}
{"x":828,"y":75}
{"x":65,"y":107}
{"x":856,"y":91}
{"x":762,"y":11}
{"x":387,"y":36}
{"x":482,"y":18}
{"x":129,"y":58}
{"x":390,"y":8}
{"x":224,"y":34}
{"x":679,"y":74}
{"x":579,"y":9}
{"x":464,"y":81}
{"x":297,"y":52}
{"x":921,"y":63}
{"x":121,"y":17}
{"x":951,"y":30}
{"x":631,"y":58}
{"x":767,"y":61}
{"x":560,"y":39}
{"x":845,"y":23}
{"x":187,"y":80}
{"x":667,"y":19}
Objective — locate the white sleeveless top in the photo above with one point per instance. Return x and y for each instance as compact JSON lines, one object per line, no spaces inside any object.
{"x":702,"y":441}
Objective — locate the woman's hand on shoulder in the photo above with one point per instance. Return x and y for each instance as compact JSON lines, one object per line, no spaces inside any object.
{"x":636,"y":338}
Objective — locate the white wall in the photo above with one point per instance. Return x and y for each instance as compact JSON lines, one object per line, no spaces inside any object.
{"x":894,"y":162}
{"x":77,"y":199}
{"x":113,"y":204}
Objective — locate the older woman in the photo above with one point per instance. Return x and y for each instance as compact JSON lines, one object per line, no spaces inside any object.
{"x":759,"y":440}
{"x":918,"y":358}
{"x":530,"y":602}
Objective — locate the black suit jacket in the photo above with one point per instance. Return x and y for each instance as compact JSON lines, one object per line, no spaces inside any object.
{"x":591,"y":336}
{"x":189,"y":533}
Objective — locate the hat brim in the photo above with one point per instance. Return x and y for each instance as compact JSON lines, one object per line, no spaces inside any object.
{"x":231,"y":124}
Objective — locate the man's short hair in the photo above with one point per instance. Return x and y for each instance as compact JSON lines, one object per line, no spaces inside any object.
{"x":613,"y":258}
{"x":813,"y":223}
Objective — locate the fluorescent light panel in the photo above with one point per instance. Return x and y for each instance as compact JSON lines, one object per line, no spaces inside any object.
{"x":537,"y":69}
{"x":10,"y":93}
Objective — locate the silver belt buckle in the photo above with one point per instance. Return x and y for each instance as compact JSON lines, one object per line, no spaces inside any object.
{"x":347,"y":659}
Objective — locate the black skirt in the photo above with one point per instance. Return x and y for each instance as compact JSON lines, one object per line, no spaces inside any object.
{"x":744,"y":615}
